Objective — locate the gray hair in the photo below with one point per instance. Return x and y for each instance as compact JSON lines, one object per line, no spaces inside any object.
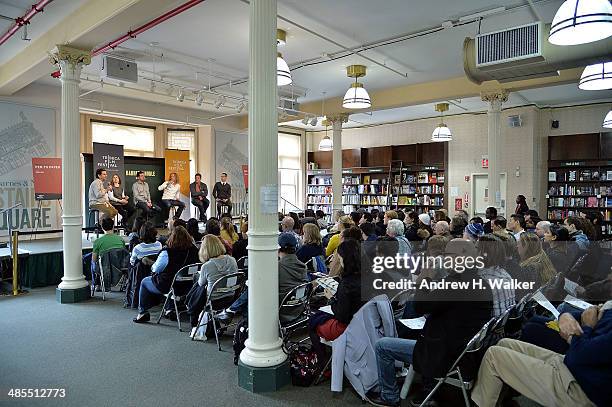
{"x":544,"y":224}
{"x":287,"y":223}
{"x":443,"y":226}
{"x":395,"y":227}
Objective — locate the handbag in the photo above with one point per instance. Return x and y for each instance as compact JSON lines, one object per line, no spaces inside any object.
{"x":304,"y":365}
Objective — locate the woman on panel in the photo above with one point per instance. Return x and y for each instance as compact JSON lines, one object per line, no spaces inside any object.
{"x":120,"y":200}
{"x":171,"y":195}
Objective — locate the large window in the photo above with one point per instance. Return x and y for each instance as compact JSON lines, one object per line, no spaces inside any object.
{"x":290,"y":171}
{"x":136,"y":140}
{"x":181,"y":139}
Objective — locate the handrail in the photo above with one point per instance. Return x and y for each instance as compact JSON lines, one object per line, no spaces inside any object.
{"x":290,"y":203}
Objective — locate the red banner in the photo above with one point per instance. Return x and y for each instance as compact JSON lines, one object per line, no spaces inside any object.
{"x":245,"y":175}
{"x":47,"y":174}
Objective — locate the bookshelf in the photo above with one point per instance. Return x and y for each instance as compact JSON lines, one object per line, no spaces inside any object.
{"x":580,"y":177}
{"x":368,"y":172}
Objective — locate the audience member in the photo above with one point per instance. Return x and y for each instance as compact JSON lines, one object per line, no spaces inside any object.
{"x":193,"y":227}
{"x":228,"y":233}
{"x":476,"y":219}
{"x":108,"y":241}
{"x":411,"y":222}
{"x":134,"y":237}
{"x":521,"y":205}
{"x":351,"y":233}
{"x":558,"y":250}
{"x":381,"y":226}
{"x":344,"y":222}
{"x":473,"y":231}
{"x":575,"y":226}
{"x":516,"y":225}
{"x":458,"y":225}
{"x":441,"y":228}
{"x":356,"y":217}
{"x":462,"y":213}
{"x":179,"y":252}
{"x":213,"y":227}
{"x":580,"y":378}
{"x":493,"y":252}
{"x":541,"y":228}
{"x":535,"y":264}
{"x":239,"y":249}
{"x":596,"y":219}
{"x":321,"y":219}
{"x":288,"y":226}
{"x":368,"y":232}
{"x":366,"y":217}
{"x":395,"y":229}
{"x":312,"y":246}
{"x":148,"y":246}
{"x":490,"y":214}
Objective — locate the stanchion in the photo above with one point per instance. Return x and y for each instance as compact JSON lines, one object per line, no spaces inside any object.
{"x":15,"y":254}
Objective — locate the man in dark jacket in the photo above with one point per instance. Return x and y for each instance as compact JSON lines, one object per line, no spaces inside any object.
{"x":454,"y":316}
{"x":222,"y":192}
{"x":199,"y":193}
{"x":291,"y":273}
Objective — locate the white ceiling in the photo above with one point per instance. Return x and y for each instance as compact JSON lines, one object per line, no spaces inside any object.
{"x":208,"y":45}
{"x":53,"y":13}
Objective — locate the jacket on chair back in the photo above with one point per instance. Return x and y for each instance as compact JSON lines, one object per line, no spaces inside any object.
{"x":353,"y":351}
{"x":176,"y":260}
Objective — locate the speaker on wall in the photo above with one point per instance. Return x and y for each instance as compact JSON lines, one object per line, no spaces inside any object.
{"x":554,"y":124}
{"x":515,"y":121}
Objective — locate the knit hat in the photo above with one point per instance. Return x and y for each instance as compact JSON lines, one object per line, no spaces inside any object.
{"x":475,"y":230}
{"x":425,"y":219}
{"x":287,"y":239}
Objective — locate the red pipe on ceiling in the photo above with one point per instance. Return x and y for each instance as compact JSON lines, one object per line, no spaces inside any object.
{"x":25,"y":19}
{"x":139,"y":30}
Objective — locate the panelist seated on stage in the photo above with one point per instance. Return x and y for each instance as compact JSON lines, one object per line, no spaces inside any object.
{"x":119,"y":200}
{"x":98,"y":195}
{"x":172,"y":194}
{"x":222,"y":192}
{"x":142,"y":196}
{"x":199,"y":194}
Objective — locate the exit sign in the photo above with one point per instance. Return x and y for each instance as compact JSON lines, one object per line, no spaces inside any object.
{"x":485,"y":161}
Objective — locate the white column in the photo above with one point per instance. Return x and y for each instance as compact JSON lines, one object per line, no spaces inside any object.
{"x":70,"y":62}
{"x":337,"y":121}
{"x":495,"y":100}
{"x":263,"y":347}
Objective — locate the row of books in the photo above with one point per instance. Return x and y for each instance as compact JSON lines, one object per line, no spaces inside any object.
{"x":350,"y":199}
{"x":589,"y":202}
{"x":579,"y":175}
{"x":374,"y":200}
{"x":319,"y":190}
{"x":367,"y":179}
{"x":404,"y":189}
{"x":566,"y":189}
{"x":372,"y":189}
{"x":319,"y":199}
{"x":321,"y":180}
{"x":430,"y":177}
{"x":327,"y":209}
{"x":430,"y":189}
{"x":349,"y":189}
{"x":350,"y":180}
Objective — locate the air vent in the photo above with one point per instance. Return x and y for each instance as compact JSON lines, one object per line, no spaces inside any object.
{"x":515,"y":44}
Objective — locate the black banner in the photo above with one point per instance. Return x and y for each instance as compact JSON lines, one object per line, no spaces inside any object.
{"x":109,"y":157}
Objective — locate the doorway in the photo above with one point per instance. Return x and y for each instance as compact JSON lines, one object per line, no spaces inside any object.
{"x":480,"y":192}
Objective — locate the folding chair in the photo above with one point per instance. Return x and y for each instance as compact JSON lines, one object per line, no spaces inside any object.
{"x":178,"y":289}
{"x":110,"y":263}
{"x":296,"y":299}
{"x":398,"y":303}
{"x":231,"y":283}
{"x":243,"y":263}
{"x":474,"y":345}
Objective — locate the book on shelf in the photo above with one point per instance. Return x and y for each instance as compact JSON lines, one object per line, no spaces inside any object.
{"x":608,"y":175}
{"x":592,"y":202}
{"x":366,"y":179}
{"x":422,"y":177}
{"x":433,"y":178}
{"x":552,"y":176}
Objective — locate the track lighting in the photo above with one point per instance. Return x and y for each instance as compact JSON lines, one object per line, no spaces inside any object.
{"x":240,"y":107}
{"x":199,"y":99}
{"x":314,"y":121}
{"x":181,"y":96}
{"x":220,"y":102}
{"x":305,"y":120}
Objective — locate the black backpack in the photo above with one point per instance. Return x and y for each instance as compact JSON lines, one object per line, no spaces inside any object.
{"x":304,"y":365}
{"x":240,"y":336}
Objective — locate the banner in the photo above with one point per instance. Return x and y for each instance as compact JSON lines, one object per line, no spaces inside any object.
{"x":245,"y":175}
{"x":178,"y":161}
{"x":25,"y":132}
{"x":47,"y":173}
{"x":109,"y":157}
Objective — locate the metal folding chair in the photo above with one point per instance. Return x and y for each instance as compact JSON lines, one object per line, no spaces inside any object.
{"x":112,"y":261}
{"x":454,"y":377}
{"x":296,"y":299}
{"x":243,"y":263}
{"x":182,"y":277}
{"x":231,"y":283}
{"x":398,"y":303}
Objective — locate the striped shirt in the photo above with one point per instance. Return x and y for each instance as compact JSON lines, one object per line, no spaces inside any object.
{"x":503,"y":298}
{"x":144,"y":249}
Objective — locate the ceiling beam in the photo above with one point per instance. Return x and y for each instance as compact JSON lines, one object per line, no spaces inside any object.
{"x":92,"y":24}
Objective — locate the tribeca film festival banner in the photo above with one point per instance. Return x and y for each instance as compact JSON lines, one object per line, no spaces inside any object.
{"x":178,"y":161}
{"x":110,"y":157}
{"x":26,"y":132}
{"x":47,"y":174}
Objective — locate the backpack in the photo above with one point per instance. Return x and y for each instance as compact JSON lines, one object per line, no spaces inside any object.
{"x":303,"y":363}
{"x":240,"y":336}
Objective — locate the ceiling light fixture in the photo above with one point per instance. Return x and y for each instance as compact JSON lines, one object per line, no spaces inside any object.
{"x":326,"y":144}
{"x":596,"y":77}
{"x":581,"y":22}
{"x":220,"y":102}
{"x":305,"y":120}
{"x":442,"y":132}
{"x":356,"y":97}
{"x":180,"y":96}
{"x":199,"y":99}
{"x":607,"y":123}
{"x":240,"y":107}
{"x":283,"y":74}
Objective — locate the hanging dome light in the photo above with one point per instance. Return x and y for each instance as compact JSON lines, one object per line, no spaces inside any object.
{"x":283,"y":74}
{"x":596,"y":77}
{"x":581,"y":22}
{"x":326,"y":144}
{"x":607,"y":123}
{"x":442,"y":132}
{"x":356,"y":97}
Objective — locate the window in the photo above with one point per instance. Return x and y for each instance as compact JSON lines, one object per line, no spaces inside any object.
{"x":184,"y":139}
{"x":290,"y":171}
{"x":136,"y":140}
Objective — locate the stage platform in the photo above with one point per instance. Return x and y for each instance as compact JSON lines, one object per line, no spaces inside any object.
{"x":41,"y":261}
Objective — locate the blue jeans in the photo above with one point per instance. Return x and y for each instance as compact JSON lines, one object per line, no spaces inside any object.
{"x":149,"y":295}
{"x":241,"y":304}
{"x":388,"y":350}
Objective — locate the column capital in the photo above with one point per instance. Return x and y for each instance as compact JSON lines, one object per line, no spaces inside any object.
{"x":70,"y":55}
{"x":338,"y":117}
{"x":499,"y":95}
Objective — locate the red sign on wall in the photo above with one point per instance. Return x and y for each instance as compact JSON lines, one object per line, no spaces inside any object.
{"x":458,"y":204}
{"x":47,"y":174}
{"x":245,"y":175}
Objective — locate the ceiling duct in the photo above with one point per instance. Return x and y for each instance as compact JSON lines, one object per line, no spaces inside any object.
{"x":524,"y":52}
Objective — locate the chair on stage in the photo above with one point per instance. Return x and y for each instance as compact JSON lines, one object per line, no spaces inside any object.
{"x":96,"y":218}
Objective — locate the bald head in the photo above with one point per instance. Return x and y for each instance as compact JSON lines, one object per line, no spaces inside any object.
{"x":287,"y":224}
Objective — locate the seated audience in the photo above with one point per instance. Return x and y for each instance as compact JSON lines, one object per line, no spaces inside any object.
{"x":148,"y":246}
{"x":344,"y":222}
{"x":457,"y":226}
{"x":321,"y":219}
{"x":425,"y":231}
{"x":558,"y":250}
{"x":490,"y":214}
{"x":462,"y":312}
{"x":441,"y":228}
{"x":535,"y":264}
{"x":368,"y":232}
{"x":133,"y":237}
{"x":179,"y":252}
{"x":580,"y":378}
{"x":500,"y":228}
{"x":351,"y":233}
{"x":193,"y":227}
{"x":596,"y":219}
{"x":516,"y":225}
{"x":288,"y":226}
{"x":493,"y":252}
{"x":575,"y":227}
{"x":108,"y":241}
{"x":366,"y":217}
{"x":476,"y":219}
{"x":228,"y":233}
{"x":216,"y":264}
{"x":541,"y":228}
{"x":312,"y":244}
{"x":395,"y":229}
{"x":473,"y":231}
{"x":213,"y":227}
{"x":239,"y":249}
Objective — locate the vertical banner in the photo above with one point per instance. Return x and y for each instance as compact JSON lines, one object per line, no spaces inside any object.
{"x":245,"y":175}
{"x":26,"y":132}
{"x":47,"y":174}
{"x":178,"y":161}
{"x":110,"y":157}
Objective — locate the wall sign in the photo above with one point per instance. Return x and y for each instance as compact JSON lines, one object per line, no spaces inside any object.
{"x":485,"y":161}
{"x":47,"y":173}
{"x":458,"y":204}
